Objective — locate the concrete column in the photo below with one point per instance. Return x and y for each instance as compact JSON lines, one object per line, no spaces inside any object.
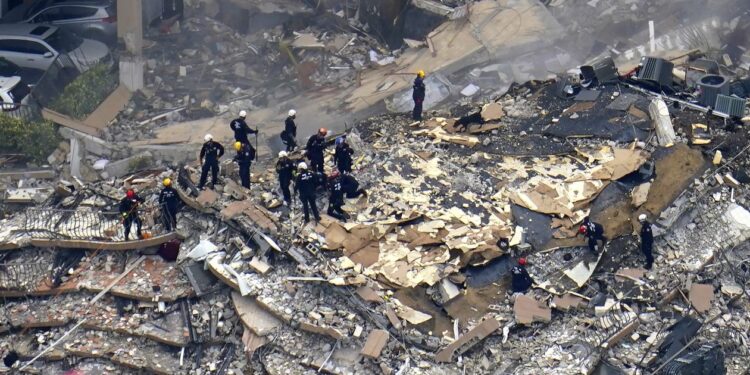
{"x":130,"y":30}
{"x":130,"y":25}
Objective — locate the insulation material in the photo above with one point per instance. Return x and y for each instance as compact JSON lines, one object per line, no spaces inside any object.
{"x":662,"y":122}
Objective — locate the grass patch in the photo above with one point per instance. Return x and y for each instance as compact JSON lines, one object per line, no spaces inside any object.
{"x":85,"y":93}
{"x":35,"y":139}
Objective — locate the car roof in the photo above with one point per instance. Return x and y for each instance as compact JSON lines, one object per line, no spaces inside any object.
{"x":27,"y":29}
{"x":7,"y":83}
{"x":79,"y":2}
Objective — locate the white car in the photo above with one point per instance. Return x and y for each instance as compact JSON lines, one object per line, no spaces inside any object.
{"x":38,"y":46}
{"x":13,"y":93}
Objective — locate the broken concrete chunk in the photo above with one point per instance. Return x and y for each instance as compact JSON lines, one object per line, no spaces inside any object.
{"x":465,"y":342}
{"x":659,"y":112}
{"x":528,"y":310}
{"x":701,"y":296}
{"x":207,"y":198}
{"x":201,"y":250}
{"x":640,"y":194}
{"x":253,"y":316}
{"x":566,"y":302}
{"x":259,"y":266}
{"x":448,"y":290}
{"x":492,"y":112}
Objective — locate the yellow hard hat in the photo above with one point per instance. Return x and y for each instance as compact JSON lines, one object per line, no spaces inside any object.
{"x":167,"y":182}
{"x":237,"y":145}
{"x":420,"y":73}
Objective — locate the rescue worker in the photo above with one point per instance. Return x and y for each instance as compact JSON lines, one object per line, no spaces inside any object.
{"x":336,"y":200}
{"x":289,"y":135}
{"x":129,"y":212}
{"x":343,"y":155}
{"x":209,"y":158}
{"x":647,"y":240}
{"x":285,"y":168}
{"x":305,"y":185}
{"x":169,"y":201}
{"x":520,"y":280}
{"x":418,"y":95}
{"x":240,"y":128}
{"x":351,"y":186}
{"x":316,"y":146}
{"x":244,"y":158}
{"x":594,"y":232}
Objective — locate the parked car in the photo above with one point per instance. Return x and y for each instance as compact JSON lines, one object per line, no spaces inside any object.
{"x":13,"y":93}
{"x":91,"y":19}
{"x":29,"y":75}
{"x":38,"y":46}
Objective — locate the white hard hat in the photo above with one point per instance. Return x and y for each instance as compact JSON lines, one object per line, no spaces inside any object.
{"x":208,"y":137}
{"x":283,"y":154}
{"x":302,"y":165}
{"x":642,"y":217}
{"x":243,"y":113}
{"x":292,"y":112}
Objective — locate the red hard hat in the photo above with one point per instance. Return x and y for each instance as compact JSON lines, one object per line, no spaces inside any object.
{"x":582,"y":229}
{"x":335,"y":173}
{"x":130,"y":193}
{"x":522,"y":261}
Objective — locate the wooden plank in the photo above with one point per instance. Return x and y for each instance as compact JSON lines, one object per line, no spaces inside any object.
{"x":69,"y":122}
{"x":109,"y":108}
{"x":376,"y":341}
{"x":468,"y":340}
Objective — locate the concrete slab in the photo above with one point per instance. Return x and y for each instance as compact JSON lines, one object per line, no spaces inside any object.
{"x":253,"y":316}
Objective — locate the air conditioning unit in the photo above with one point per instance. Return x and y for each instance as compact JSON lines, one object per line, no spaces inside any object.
{"x":731,"y":105}
{"x":656,"y":71}
{"x":711,"y":86}
{"x":599,"y":71}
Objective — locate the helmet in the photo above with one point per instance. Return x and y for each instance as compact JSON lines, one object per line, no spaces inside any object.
{"x":420,"y":74}
{"x":302,"y":165}
{"x":582,"y":229}
{"x":323,"y":131}
{"x":335,"y":173}
{"x":292,"y":112}
{"x":642,"y":217}
{"x":130,"y":194}
{"x":521,"y":261}
{"x":340,"y":140}
{"x":283,"y":154}
{"x":167,"y":182}
{"x":237,"y":146}
{"x":208,"y":137}
{"x":243,"y":113}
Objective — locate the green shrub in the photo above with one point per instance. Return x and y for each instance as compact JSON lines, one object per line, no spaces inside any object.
{"x":34,"y":139}
{"x":85,"y":93}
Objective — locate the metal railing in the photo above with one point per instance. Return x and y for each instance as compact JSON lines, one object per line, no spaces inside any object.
{"x":89,"y":225}
{"x":22,"y":276}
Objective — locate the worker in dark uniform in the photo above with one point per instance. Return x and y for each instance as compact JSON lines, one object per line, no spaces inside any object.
{"x":170,"y":203}
{"x":240,"y":128}
{"x":244,"y":158}
{"x":306,"y":185}
{"x":351,"y":186}
{"x":129,"y":212}
{"x":285,"y":168}
{"x":594,"y":232}
{"x":343,"y":155}
{"x":210,"y":154}
{"x":418,"y":95}
{"x":289,"y":135}
{"x":520,"y":280}
{"x":647,"y":240}
{"x":316,"y":146}
{"x":336,"y":200}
